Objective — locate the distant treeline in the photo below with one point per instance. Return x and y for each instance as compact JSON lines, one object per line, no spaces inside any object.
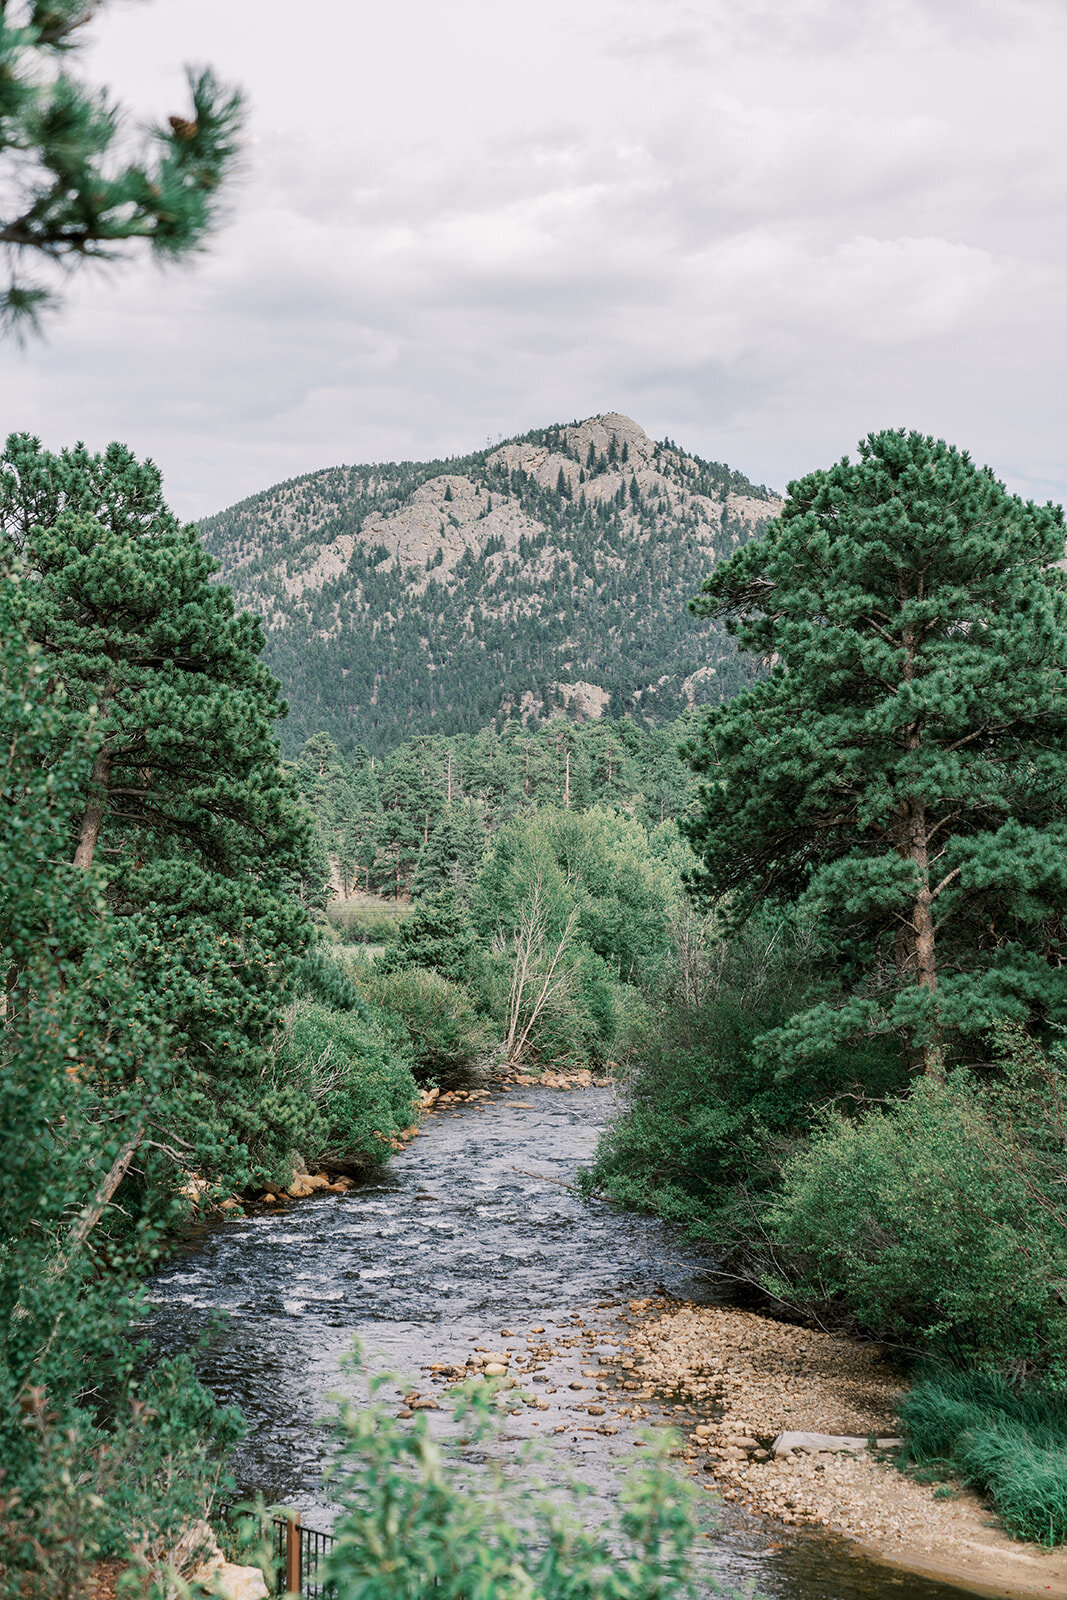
{"x":420,"y":818}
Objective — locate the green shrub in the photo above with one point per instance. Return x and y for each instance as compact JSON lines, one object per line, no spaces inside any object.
{"x":365,"y":920}
{"x":416,"y":1523}
{"x":598,"y":861}
{"x":1009,"y":1445}
{"x":932,"y":1224}
{"x":75,"y":1490}
{"x":439,"y":1020}
{"x":585,"y":1020}
{"x":706,"y":1125}
{"x":339,"y":1089}
{"x":438,"y":936}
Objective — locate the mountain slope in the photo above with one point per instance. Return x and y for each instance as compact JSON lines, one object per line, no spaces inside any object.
{"x":549,"y":573}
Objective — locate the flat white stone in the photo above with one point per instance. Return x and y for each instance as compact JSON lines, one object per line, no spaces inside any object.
{"x":817,"y":1443}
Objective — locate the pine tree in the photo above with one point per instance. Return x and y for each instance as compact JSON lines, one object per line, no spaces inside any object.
{"x":183,"y":812}
{"x":902,"y":770}
{"x":437,"y":935}
{"x":72,"y":191}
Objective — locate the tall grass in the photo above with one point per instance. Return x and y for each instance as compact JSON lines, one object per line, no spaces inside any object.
{"x":1011,"y":1446}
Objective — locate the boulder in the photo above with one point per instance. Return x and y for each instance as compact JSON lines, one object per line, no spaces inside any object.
{"x":229,"y":1582}
{"x":304,"y":1184}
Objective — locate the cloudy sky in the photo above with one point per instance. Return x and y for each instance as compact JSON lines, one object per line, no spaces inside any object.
{"x":761,"y":227}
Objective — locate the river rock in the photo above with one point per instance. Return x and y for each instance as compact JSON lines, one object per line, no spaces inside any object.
{"x":816,"y":1443}
{"x":304,"y":1184}
{"x":495,"y":1369}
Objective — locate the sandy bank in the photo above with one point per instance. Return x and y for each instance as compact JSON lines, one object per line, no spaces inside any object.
{"x":733,"y":1380}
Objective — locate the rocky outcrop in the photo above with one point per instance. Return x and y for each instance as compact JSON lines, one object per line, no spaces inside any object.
{"x":551,"y":573}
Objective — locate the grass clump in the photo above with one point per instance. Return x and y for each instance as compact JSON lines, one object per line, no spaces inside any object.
{"x":1010,"y":1445}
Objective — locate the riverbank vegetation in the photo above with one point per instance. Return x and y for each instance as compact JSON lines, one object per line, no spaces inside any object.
{"x":856,"y":1093}
{"x":822,"y":956}
{"x":169,"y":1032}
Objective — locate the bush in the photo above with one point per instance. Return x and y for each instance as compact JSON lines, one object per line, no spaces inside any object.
{"x":438,"y":936}
{"x":365,"y":920}
{"x":1010,"y":1446}
{"x":706,"y":1126}
{"x":438,"y":1019}
{"x":74,"y":1491}
{"x":339,"y":1090}
{"x":595,"y":860}
{"x":932,"y":1223}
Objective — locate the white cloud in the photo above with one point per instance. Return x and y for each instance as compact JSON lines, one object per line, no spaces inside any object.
{"x":762,"y":229}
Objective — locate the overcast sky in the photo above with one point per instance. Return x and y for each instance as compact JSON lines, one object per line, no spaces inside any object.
{"x":761,"y":227}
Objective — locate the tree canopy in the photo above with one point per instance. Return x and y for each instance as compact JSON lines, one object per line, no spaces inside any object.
{"x":902,"y":768}
{"x":182,"y":814}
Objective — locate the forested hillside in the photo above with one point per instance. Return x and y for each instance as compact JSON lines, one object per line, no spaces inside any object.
{"x":548,"y":574}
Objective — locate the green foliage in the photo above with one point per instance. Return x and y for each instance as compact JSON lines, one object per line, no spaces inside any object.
{"x":130,"y":1490}
{"x":73,"y":192}
{"x":413,"y":1523}
{"x":193,"y":834}
{"x":901,"y":772}
{"x":419,"y":820}
{"x":86,"y":1083}
{"x":338,"y":1085}
{"x":705,"y":1128}
{"x":439,"y":1022}
{"x":596,"y":862}
{"x":338,"y":1090}
{"x":938,"y":1221}
{"x":594,"y":592}
{"x":1010,"y":1445}
{"x":365,"y":920}
{"x":439,"y":936}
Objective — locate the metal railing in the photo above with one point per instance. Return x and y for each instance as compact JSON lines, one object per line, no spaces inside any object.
{"x":298,"y":1556}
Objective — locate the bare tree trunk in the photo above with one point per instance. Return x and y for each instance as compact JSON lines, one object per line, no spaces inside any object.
{"x":530,"y":972}
{"x":917,"y":943}
{"x":92,"y":1213}
{"x":95,"y":810}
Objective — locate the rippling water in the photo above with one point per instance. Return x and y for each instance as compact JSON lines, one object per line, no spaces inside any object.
{"x":475,"y":1229}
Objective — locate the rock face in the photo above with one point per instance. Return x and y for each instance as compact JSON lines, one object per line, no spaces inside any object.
{"x":549,"y":574}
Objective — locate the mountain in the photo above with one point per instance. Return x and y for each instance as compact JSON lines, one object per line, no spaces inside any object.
{"x":550,"y":573}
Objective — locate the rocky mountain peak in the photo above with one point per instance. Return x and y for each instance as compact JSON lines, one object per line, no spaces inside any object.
{"x":547,"y":574}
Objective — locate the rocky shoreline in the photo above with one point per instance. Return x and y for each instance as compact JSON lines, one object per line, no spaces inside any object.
{"x":734,"y":1381}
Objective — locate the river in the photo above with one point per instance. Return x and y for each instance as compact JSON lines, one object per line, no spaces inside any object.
{"x":475,"y":1229}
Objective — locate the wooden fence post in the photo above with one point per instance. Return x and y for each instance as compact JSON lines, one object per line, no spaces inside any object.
{"x":292,"y":1554}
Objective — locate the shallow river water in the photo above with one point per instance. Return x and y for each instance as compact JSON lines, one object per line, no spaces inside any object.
{"x":472,"y":1231}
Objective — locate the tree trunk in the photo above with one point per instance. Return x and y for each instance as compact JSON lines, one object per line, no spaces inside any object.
{"x":104,"y":1195}
{"x":917,"y":944}
{"x":95,"y":810}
